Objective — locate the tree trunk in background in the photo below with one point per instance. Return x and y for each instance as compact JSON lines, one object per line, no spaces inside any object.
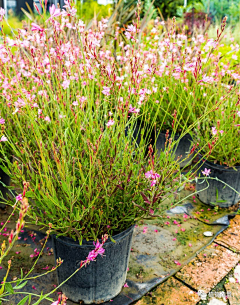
{"x":22,"y":4}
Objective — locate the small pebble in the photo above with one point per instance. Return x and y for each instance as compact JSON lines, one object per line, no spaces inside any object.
{"x":208,"y":233}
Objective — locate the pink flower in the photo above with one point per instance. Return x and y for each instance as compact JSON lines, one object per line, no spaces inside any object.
{"x":174,"y":239}
{"x":144,"y":229}
{"x":45,"y":268}
{"x":234,"y":56}
{"x":133,"y":109}
{"x":183,"y":230}
{"x":19,"y":197}
{"x":214,"y":131}
{"x":91,"y":255}
{"x":58,"y":303}
{"x":177,"y":263}
{"x":190,"y":245}
{"x":106,"y":91}
{"x":2,"y":121}
{"x":167,"y":223}
{"x":3,"y":139}
{"x":155,"y":176}
{"x":36,"y":27}
{"x":149,"y":174}
{"x":131,"y":28}
{"x":54,"y":12}
{"x":156,"y":231}
{"x":207,"y":79}
{"x":125,"y":285}
{"x":75,"y":103}
{"x":175,"y":222}
{"x":2,"y":11}
{"x":33,"y":287}
{"x":221,"y":131}
{"x":110,"y":123}
{"x":206,"y":172}
{"x":153,"y":182}
{"x":47,"y":119}
{"x":66,"y":84}
{"x":151,"y":211}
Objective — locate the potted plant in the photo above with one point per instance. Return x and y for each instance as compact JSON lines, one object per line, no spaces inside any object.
{"x":179,"y":95}
{"x":219,"y":138}
{"x":86,"y":176}
{"x":86,"y":183}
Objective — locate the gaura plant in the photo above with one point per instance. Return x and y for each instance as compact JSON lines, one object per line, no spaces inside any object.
{"x":64,"y":131}
{"x":188,"y":76}
{"x":17,"y":286}
{"x":219,"y":134}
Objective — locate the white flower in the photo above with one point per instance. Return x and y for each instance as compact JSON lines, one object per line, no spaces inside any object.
{"x":16,"y":110}
{"x":3,"y":139}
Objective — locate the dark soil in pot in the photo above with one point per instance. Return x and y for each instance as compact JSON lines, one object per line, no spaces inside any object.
{"x":102,"y":279}
{"x":218,"y":193}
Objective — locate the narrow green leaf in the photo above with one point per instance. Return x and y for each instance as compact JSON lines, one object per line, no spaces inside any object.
{"x":20,"y":286}
{"x":114,"y":241}
{"x":9,"y":288}
{"x":24,"y":300}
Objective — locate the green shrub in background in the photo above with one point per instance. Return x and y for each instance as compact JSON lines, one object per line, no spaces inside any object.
{"x":90,"y":9}
{"x":11,"y":26}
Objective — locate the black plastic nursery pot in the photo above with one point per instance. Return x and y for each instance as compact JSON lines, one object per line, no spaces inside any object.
{"x":182,"y":149}
{"x":217,"y":193}
{"x":101,"y":280}
{"x":5,"y":179}
{"x":148,"y":134}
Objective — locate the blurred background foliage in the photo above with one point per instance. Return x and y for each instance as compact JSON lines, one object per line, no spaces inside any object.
{"x":192,"y":15}
{"x":92,"y":9}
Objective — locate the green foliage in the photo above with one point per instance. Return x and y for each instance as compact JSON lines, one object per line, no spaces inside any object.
{"x":219,"y":9}
{"x":11,"y":26}
{"x":169,"y":8}
{"x":148,"y":6}
{"x":91,"y":9}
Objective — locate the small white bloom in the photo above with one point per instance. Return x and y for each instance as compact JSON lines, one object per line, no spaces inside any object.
{"x":16,"y":110}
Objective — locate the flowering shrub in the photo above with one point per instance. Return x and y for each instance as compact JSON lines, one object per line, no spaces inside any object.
{"x":187,"y":77}
{"x":64,"y":130}
{"x":220,"y":133}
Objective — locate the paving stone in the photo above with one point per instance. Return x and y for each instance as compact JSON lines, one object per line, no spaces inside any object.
{"x":171,"y":292}
{"x":215,"y":301}
{"x":231,"y":236}
{"x":209,"y":267}
{"x":233,"y":293}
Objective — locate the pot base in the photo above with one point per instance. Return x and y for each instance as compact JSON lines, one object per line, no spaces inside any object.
{"x":101,"y":280}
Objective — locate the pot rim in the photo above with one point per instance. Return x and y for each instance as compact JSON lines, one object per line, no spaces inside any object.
{"x":69,"y":241}
{"x":219,"y":166}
